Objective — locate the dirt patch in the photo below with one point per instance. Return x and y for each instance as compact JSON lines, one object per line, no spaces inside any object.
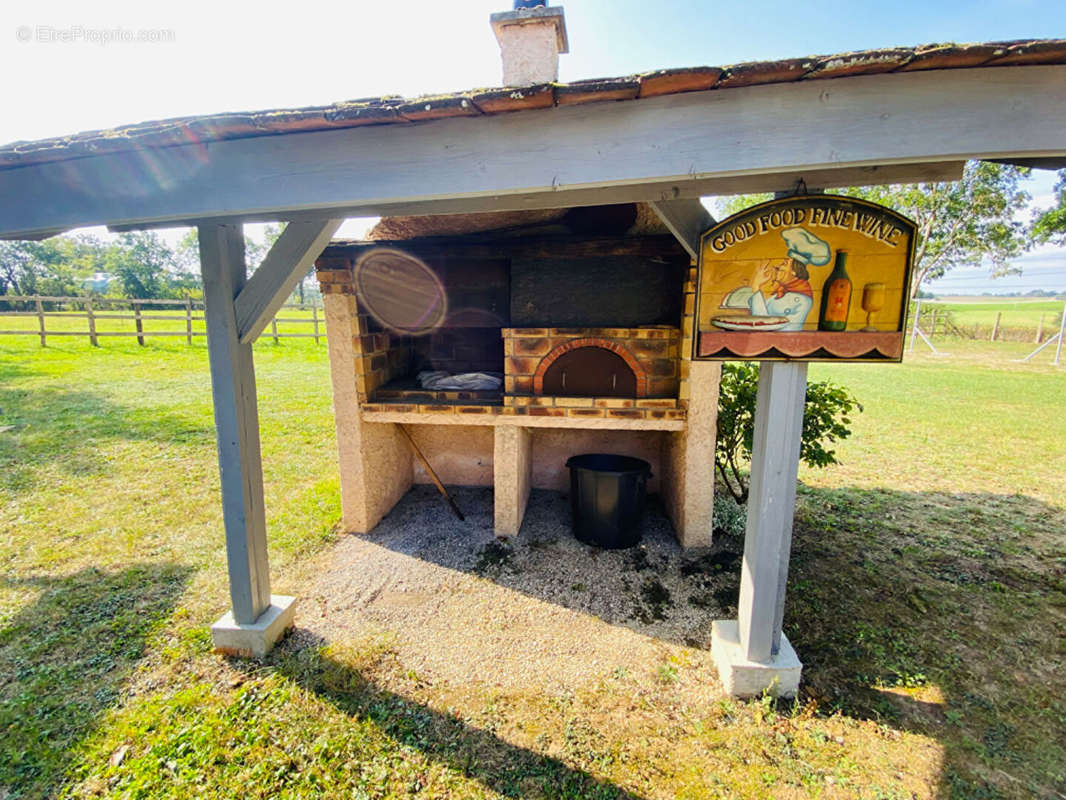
{"x":539,"y":610}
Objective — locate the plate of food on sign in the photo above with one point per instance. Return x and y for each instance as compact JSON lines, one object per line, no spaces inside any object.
{"x":749,"y":322}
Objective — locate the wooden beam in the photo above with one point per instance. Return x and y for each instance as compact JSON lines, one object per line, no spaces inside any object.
{"x":524,"y":247}
{"x":686,"y":219}
{"x":236,"y":422}
{"x":289,"y":259}
{"x":775,"y":456}
{"x":655,"y":148}
{"x":567,"y":198}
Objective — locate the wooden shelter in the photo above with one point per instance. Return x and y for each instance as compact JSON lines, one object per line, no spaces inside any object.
{"x":664,"y":138}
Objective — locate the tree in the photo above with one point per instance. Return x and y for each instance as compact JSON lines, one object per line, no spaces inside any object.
{"x":142,"y":263}
{"x":1050,"y":225}
{"x":825,"y":421}
{"x":960,"y":223}
{"x":56,"y":266}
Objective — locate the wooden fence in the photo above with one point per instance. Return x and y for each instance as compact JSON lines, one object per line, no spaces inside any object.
{"x":95,"y":309}
{"x":937,"y":321}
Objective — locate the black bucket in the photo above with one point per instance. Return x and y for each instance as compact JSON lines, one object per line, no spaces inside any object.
{"x":607,"y":498}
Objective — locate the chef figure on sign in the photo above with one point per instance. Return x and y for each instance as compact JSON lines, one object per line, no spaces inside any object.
{"x":781,"y":287}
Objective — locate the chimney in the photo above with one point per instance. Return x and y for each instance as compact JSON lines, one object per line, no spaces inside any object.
{"x":531,"y":38}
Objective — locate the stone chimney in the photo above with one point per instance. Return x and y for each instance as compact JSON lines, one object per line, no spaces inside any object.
{"x":531,"y":38}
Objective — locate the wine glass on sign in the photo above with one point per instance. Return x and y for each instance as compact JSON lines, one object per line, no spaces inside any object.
{"x":873,"y":300}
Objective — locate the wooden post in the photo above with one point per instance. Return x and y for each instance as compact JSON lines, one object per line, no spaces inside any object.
{"x":274,"y":329}
{"x":236,"y":422}
{"x":1040,"y":330}
{"x":92,"y":322}
{"x":932,"y":324}
{"x":188,"y":319}
{"x":137,"y":322}
{"x":314,"y":317}
{"x":40,"y":319}
{"x":771,"y":502}
{"x":995,"y":328}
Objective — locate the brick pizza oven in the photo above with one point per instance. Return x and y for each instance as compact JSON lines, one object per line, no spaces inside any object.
{"x":585,"y":316}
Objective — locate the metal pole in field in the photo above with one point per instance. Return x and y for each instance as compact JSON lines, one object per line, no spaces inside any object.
{"x":188,"y":319}
{"x":40,"y":319}
{"x":995,"y":328}
{"x":1062,"y":330}
{"x":932,"y":324}
{"x":314,"y":317}
{"x":917,"y":313}
{"x":137,"y":322}
{"x":1056,"y":338}
{"x":1040,"y":330}
{"x":92,"y":322}
{"x":274,"y":329}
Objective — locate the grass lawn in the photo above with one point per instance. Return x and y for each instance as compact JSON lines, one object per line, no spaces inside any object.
{"x":927,"y":599}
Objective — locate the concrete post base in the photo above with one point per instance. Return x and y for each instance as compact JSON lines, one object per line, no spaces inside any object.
{"x":255,"y":639}
{"x":780,"y":676}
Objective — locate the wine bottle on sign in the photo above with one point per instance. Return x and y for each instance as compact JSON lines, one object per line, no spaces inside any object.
{"x":836,"y":296}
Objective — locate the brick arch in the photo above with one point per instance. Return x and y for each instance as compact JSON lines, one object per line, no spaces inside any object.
{"x":605,"y":344}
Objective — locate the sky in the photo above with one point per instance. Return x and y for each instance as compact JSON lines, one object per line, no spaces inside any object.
{"x":67,"y":66}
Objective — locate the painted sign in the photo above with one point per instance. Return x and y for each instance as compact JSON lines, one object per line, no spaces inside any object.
{"x":809,"y":278}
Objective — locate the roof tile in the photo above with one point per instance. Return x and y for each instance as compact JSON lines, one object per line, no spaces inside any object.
{"x":753,"y":73}
{"x":675,"y":81}
{"x":867,"y":62}
{"x":438,"y":107}
{"x":592,"y":91}
{"x":951,"y":56}
{"x":1028,"y":52}
{"x":495,"y":101}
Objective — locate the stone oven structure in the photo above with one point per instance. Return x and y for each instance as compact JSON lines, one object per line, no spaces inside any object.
{"x":586,"y":316}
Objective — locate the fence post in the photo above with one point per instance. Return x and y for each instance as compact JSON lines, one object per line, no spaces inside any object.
{"x":314,"y":317}
{"x":137,"y":321}
{"x":92,"y":322}
{"x":1040,"y":330}
{"x":188,"y":319}
{"x":40,"y":319}
{"x":995,"y":328}
{"x":932,"y":324}
{"x":274,"y":329}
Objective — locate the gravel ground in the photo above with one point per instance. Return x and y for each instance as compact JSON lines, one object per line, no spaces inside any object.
{"x":539,"y":611}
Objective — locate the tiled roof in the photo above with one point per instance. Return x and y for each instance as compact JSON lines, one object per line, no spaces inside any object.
{"x":399,"y":111}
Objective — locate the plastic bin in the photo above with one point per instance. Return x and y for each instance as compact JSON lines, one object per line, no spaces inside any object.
{"x":607,"y":494}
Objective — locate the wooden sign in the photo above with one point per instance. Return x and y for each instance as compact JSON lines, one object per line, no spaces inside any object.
{"x":809,"y":278}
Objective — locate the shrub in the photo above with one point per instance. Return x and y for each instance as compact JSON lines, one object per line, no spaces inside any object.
{"x":825,"y":421}
{"x":730,"y":518}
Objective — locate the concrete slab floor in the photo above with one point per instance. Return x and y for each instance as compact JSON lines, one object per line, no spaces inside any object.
{"x":538,"y":610}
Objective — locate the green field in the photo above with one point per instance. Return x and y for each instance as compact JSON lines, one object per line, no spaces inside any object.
{"x":1013,"y":312}
{"x":927,"y":600}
